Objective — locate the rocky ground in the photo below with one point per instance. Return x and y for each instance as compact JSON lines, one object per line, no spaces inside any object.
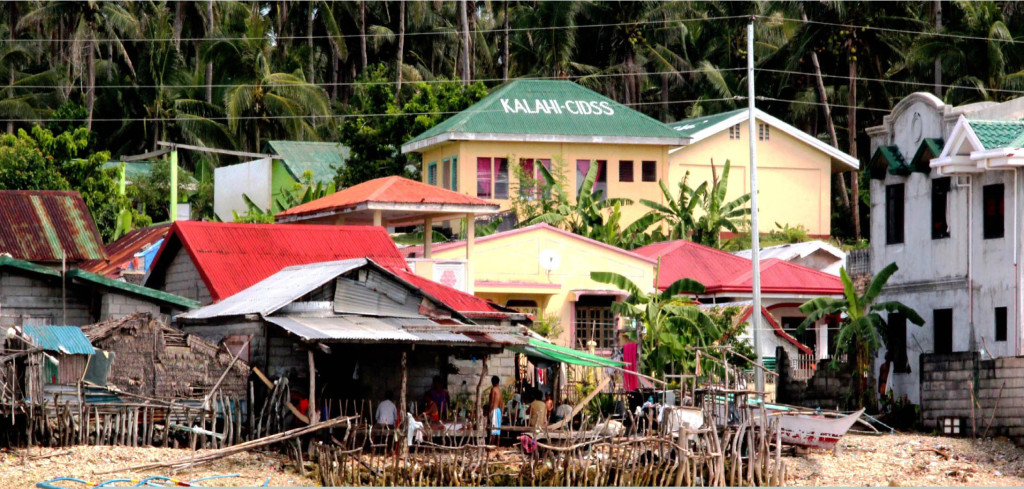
{"x":22,"y":468}
{"x":910,"y":460}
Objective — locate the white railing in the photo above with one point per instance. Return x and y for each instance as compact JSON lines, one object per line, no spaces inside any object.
{"x":803,"y":367}
{"x":858,"y":261}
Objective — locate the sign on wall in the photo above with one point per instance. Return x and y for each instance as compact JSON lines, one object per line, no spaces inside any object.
{"x":551,"y":106}
{"x":452,"y":274}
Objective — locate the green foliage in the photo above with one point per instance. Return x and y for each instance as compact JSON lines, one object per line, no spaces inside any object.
{"x":863,"y":330}
{"x":375,"y":142}
{"x":151,"y":193}
{"x":44,"y":161}
{"x":548,"y":326}
{"x":718,"y":215}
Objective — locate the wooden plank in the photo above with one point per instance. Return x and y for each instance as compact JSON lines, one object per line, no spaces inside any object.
{"x":269,"y":384}
{"x":579,"y":407}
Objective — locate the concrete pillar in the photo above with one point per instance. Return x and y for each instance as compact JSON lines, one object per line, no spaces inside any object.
{"x":428,"y":236}
{"x":470,"y":232}
{"x":173,"y":209}
{"x":377,"y":217}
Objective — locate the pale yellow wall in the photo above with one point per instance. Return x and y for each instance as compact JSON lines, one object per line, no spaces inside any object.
{"x":567,"y":153}
{"x":515,"y":257}
{"x":794,"y":179}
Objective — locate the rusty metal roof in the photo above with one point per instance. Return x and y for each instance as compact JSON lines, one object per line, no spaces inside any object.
{"x":36,"y":225}
{"x":121,"y":252}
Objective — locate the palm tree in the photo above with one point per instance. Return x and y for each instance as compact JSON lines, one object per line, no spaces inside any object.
{"x":671,"y":322}
{"x":717,"y":213}
{"x":863,"y":330}
{"x":677,"y":211}
{"x":586,"y":214}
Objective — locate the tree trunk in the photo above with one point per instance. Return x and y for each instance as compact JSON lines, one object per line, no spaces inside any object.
{"x":665,"y":115}
{"x":309,"y":43}
{"x":362,"y":32}
{"x":854,"y":183}
{"x":504,"y":48}
{"x":334,"y":73}
{"x":209,"y":64}
{"x":90,"y":94}
{"x":471,"y":22}
{"x":401,"y":50}
{"x":177,"y":26}
{"x":938,"y":59}
{"x":464,"y":25}
{"x":12,"y":19}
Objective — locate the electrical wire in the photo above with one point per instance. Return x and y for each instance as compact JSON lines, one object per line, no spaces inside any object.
{"x":888,"y":29}
{"x":898,"y":82}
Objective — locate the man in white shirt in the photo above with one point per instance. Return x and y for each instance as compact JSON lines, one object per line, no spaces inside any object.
{"x":387,"y":412}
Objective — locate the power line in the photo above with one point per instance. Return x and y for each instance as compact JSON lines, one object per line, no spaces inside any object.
{"x":341,"y":84}
{"x":805,"y":102}
{"x":889,"y":29}
{"x":899,"y":82}
{"x":334,"y":116}
{"x":271,"y":37}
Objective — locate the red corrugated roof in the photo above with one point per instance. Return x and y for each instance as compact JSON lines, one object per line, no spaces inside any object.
{"x":36,"y":225}
{"x":391,"y":190}
{"x":724,"y":272}
{"x":686,"y":259}
{"x":231,"y":257}
{"x":123,"y":250}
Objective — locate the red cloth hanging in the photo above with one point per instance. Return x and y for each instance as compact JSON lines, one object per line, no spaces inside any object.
{"x":630,"y":382}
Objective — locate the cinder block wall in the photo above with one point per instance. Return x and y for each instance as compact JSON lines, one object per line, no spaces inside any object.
{"x":946,"y":381}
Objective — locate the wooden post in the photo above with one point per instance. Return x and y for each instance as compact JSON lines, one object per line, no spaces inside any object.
{"x":480,"y":399}
{"x":402,"y":408}
{"x":312,"y":388}
{"x":470,"y":235}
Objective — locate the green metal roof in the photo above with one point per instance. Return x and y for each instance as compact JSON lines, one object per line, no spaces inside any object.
{"x":299,"y":156}
{"x":6,"y":261}
{"x":62,"y":339}
{"x":888,"y":158}
{"x":133,"y":170}
{"x":929,"y":148}
{"x":689,"y":127}
{"x":133,"y":289}
{"x":562,"y":354}
{"x":548,"y":110}
{"x":998,"y":134}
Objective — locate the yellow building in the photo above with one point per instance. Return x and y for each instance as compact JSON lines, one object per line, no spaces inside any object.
{"x":545,"y":271}
{"x":794,"y":169}
{"x":558,"y":124}
{"x":568,"y":128}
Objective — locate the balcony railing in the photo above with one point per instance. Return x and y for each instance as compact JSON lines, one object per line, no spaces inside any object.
{"x":858,"y":261}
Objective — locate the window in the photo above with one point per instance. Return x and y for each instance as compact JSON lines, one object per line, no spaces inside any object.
{"x":896,"y":343}
{"x":595,"y":321}
{"x":1000,"y":324}
{"x":992,"y":197}
{"x":446,"y":172}
{"x":432,"y":173}
{"x":943,"y":330}
{"x":894,"y":214}
{"x":625,"y":171}
{"x":940,"y":204}
{"x":649,"y":171}
{"x":792,"y":324}
{"x":455,"y":173}
{"x":763,"y":131}
{"x":492,"y":178}
{"x":600,"y":181}
{"x":530,"y":169}
{"x":500,"y":178}
{"x":734,"y":132}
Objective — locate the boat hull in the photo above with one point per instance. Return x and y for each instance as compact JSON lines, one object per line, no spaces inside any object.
{"x":815,"y":431}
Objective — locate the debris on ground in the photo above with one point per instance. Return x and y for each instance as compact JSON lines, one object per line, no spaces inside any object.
{"x":910,"y":460}
{"x":24,"y":468}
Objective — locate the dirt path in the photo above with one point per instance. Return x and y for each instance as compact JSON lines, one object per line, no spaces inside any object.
{"x":20,"y":469}
{"x":910,"y":460}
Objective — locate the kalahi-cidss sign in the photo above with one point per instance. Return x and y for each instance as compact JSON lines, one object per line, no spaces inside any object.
{"x":551,"y":106}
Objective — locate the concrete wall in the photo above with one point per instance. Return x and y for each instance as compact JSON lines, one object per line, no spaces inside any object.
{"x":182,"y":278}
{"x":945,"y":392}
{"x":826,"y":389}
{"x":33,"y":300}
{"x":252,"y":178}
{"x":794,"y":179}
{"x":114,"y":305}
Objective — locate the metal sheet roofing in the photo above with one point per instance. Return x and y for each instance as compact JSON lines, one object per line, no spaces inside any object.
{"x":929,"y":148}
{"x":998,"y":134}
{"x":561,"y":354}
{"x":146,"y":292}
{"x":689,"y":127}
{"x":389,"y":190}
{"x":348,"y":328}
{"x":133,"y":170}
{"x":793,"y":251}
{"x":556,"y":110}
{"x":277,"y":290}
{"x":722,"y":272}
{"x":468,"y":305}
{"x":321,"y":158}
{"x":231,"y":257}
{"x":747,"y":308}
{"x":122,"y":251}
{"x":62,"y":339}
{"x":42,"y":225}
{"x":888,"y":159}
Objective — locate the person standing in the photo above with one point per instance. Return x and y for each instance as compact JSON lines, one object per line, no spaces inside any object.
{"x":538,"y":411}
{"x":495,"y":409}
{"x":387,"y":412}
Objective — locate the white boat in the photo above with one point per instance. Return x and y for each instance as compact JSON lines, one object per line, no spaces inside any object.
{"x":675,"y":417}
{"x":814,"y":431}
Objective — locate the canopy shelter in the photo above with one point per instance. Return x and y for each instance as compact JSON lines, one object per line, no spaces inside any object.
{"x":561,"y":354}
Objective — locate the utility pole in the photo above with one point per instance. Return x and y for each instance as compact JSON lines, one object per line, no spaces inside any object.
{"x":755,"y":239}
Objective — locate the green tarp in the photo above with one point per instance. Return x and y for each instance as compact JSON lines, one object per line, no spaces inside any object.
{"x":555,"y":353}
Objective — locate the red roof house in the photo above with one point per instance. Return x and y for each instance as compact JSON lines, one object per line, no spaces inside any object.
{"x":209,"y":261}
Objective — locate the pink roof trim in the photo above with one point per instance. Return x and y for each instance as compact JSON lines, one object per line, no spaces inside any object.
{"x":778,"y":329}
{"x":523,"y":284}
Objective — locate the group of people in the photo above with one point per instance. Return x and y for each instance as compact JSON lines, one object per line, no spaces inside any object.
{"x":435,"y":405}
{"x":532,"y":408}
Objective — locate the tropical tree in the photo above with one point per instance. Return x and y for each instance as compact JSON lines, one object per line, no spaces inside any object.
{"x":678,"y":210}
{"x":583,"y":215}
{"x":863,"y":330}
{"x":718,"y":214}
{"x":670,"y":323}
